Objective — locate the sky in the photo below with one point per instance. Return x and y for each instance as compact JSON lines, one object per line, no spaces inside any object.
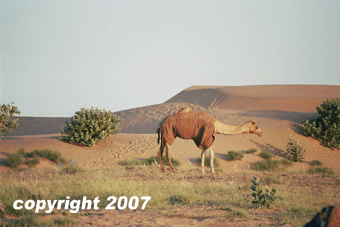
{"x":62,"y":55}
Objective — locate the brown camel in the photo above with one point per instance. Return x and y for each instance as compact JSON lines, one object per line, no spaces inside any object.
{"x":201,"y":128}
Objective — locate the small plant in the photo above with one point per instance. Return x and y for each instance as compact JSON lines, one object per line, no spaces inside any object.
{"x":295,"y":150}
{"x":149,"y":161}
{"x":178,"y":199}
{"x":33,"y":162}
{"x":232,"y":155}
{"x":6,"y":112}
{"x":72,"y":169}
{"x":207,"y":162}
{"x":316,"y":163}
{"x":320,"y":170}
{"x":266,"y":154}
{"x":53,"y":156}
{"x":269,"y":165}
{"x":326,"y":126}
{"x":14,"y":160}
{"x":64,"y":222}
{"x":251,"y":151}
{"x":261,"y":199}
{"x":90,"y":126}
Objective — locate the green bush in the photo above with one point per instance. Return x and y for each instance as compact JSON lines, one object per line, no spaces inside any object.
{"x":232,"y":155}
{"x":53,"y":156}
{"x":260,"y":198}
{"x":269,"y":165}
{"x":14,"y":160}
{"x":320,"y":170}
{"x":207,"y":162}
{"x":90,"y":126}
{"x":6,"y":124}
{"x":266,"y":154}
{"x":251,"y":151}
{"x":33,"y":162}
{"x":326,"y":126}
{"x":295,"y":150}
{"x":316,"y":163}
{"x":149,"y":161}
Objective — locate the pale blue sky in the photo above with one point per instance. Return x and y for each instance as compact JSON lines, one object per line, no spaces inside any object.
{"x":59,"y":56}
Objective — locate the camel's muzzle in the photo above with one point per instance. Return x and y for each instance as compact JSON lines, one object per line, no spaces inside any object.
{"x":259,"y":133}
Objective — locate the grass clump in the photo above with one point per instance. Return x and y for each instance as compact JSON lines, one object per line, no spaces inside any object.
{"x":33,"y":162}
{"x":72,"y":169}
{"x":207,"y":162}
{"x":178,"y":199}
{"x":266,"y":154}
{"x":316,"y":163}
{"x":266,"y":165}
{"x":53,"y":156}
{"x":64,"y":222}
{"x":14,"y":160}
{"x":153,"y":160}
{"x":251,"y":151}
{"x":232,"y":156}
{"x":320,"y":170}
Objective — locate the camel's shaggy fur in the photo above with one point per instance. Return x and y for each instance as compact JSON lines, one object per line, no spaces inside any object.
{"x":201,"y":128}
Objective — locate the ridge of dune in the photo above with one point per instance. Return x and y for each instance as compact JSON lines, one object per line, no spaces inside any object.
{"x":290,"y":98}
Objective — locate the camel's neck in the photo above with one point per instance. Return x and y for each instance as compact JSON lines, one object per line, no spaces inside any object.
{"x":225,"y":129}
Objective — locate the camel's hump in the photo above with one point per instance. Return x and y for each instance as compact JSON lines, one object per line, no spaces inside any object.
{"x":186,"y":113}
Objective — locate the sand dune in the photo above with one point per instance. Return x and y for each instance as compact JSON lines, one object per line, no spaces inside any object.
{"x":290,"y":98}
{"x":279,"y":110}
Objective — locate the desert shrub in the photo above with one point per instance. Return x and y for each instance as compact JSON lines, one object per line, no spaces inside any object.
{"x":316,"y":163}
{"x":33,"y":162}
{"x":72,"y":169}
{"x":260,"y":198}
{"x":178,"y":199}
{"x":232,"y":155}
{"x":155,"y":159}
{"x":266,"y":154}
{"x":207,"y":161}
{"x":64,"y":222}
{"x":326,"y":126}
{"x":6,"y":112}
{"x":251,"y":151}
{"x":269,"y":165}
{"x":295,"y":150}
{"x":53,"y":156}
{"x":320,"y":170}
{"x":15,"y":159}
{"x":285,"y":162}
{"x":90,"y":126}
{"x":149,"y":161}
{"x":134,"y":162}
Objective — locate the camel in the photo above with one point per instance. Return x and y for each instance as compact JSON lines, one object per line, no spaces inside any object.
{"x":201,"y":128}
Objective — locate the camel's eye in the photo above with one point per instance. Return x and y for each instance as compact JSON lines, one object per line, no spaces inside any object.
{"x":253,"y":122}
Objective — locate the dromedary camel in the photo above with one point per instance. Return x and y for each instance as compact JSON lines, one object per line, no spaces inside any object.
{"x":201,"y":128}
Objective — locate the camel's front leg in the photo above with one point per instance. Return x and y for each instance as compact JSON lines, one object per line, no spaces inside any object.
{"x":203,"y":159}
{"x":167,"y":147}
{"x":212,"y":160}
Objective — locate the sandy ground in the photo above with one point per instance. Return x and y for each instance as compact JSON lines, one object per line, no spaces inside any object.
{"x":278,"y":110}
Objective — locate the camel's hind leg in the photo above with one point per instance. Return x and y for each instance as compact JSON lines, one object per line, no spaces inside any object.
{"x":212,"y":160}
{"x":160,"y":156}
{"x":203,"y":159}
{"x":167,"y":148}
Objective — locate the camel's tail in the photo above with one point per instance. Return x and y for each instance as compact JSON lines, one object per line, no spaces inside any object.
{"x":159,"y":134}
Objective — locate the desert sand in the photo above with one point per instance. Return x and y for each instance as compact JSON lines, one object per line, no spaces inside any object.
{"x":278,"y":110}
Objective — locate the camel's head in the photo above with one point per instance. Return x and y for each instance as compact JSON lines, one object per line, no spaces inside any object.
{"x":253,"y":128}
